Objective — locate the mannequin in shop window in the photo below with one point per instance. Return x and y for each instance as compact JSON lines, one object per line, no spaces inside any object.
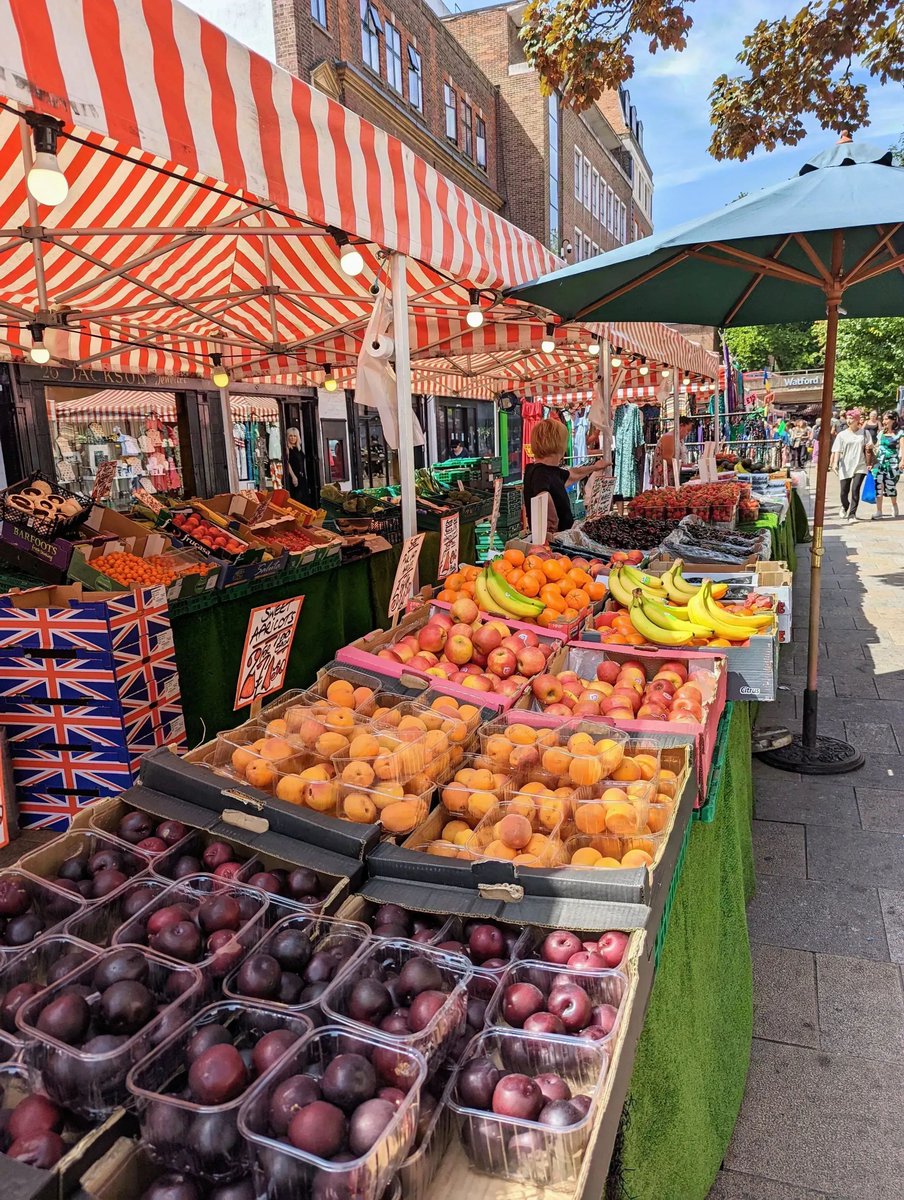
{"x":548,"y":444}
{"x":295,"y":473}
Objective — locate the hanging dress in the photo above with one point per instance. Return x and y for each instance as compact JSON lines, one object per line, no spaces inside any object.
{"x":627,"y":438}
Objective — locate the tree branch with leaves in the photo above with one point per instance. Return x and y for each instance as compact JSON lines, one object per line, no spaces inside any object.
{"x":793,"y":68}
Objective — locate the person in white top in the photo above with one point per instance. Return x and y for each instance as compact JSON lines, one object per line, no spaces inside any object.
{"x":849,"y":458}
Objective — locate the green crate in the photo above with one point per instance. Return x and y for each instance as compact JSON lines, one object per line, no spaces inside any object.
{"x":706,"y":813}
{"x":670,"y":898}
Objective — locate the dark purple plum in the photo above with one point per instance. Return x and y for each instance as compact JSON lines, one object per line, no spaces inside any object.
{"x":152,"y":845}
{"x":271,"y":1047}
{"x":396,"y":1022}
{"x":288,"y":1097}
{"x":204,"y":1038}
{"x":135,"y":827}
{"x":319,"y":1128}
{"x":517,"y":1096}
{"x":128,"y":963}
{"x":477,"y":1081}
{"x":520,"y":1001}
{"x":42,"y":1149}
{"x":65,"y":1018}
{"x":424,"y":936}
{"x":104,"y":1043}
{"x":394,"y":1069}
{"x":426,"y":1110}
{"x":186,"y":864}
{"x":22,"y":930}
{"x":219,"y":911}
{"x":134,"y":901}
{"x":553,"y":1087}
{"x":109,"y":859}
{"x":259,"y":976}
{"x":369,"y":1000}
{"x":171,"y":831}
{"x":164,"y":1124}
{"x":392,"y":914}
{"x":173,"y":1187}
{"x":312,"y":993}
{"x":486,"y":941}
{"x":477,"y":1011}
{"x":321,"y":968}
{"x":107,"y":881}
{"x":418,"y":975}
{"x":582,"y":1104}
{"x":348,"y":1081}
{"x":74,"y":868}
{"x":227,"y":951}
{"x":229,"y":870}
{"x":242,"y":1189}
{"x":559,"y":1114}
{"x":290,"y":988}
{"x":391,"y":930}
{"x":14,"y":898}
{"x":368,"y":1123}
{"x":291,"y":948}
{"x":217,"y":1075}
{"x":34,"y":1114}
{"x":182,"y":941}
{"x":303,"y":884}
{"x":424,"y":1008}
{"x":267,"y":882}
{"x":127,"y":1006}
{"x":215,"y":854}
{"x":170,"y":914}
{"x":86,"y":888}
{"x":13,"y":1001}
{"x":214,"y":1137}
{"x":395,"y":1096}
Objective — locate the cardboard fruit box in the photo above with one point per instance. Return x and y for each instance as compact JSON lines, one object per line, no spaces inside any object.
{"x":199,"y":572}
{"x":584,"y":657}
{"x":49,"y":558}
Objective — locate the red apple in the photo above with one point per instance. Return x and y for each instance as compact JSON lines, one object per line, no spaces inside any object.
{"x":404,"y":653}
{"x":421,"y":662}
{"x":389,"y":655}
{"x":527,"y":637}
{"x":479,"y":683}
{"x":501,"y":662}
{"x":611,"y":946}
{"x":678,"y":668}
{"x":513,"y":643}
{"x":630,"y":697}
{"x":607,"y":672}
{"x":432,"y":637}
{"x":465,"y":610}
{"x":442,"y":619}
{"x":459,"y":649}
{"x":531,"y":661}
{"x":480,"y":659}
{"x":504,"y":630}
{"x":460,"y":630}
{"x":557,"y":710}
{"x":547,"y":689}
{"x":586,"y":708}
{"x":651,"y":712}
{"x":471,"y":668}
{"x":508,"y":687}
{"x":486,"y":638}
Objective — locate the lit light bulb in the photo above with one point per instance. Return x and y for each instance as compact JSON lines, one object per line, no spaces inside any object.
{"x":46,"y":182}
{"x":330,"y":383}
{"x":593,"y":349}
{"x":616,"y":361}
{"x":38,"y":353}
{"x":219,"y":376}
{"x":643,"y":369}
{"x":474,"y":315}
{"x":685,"y":381}
{"x":350,"y":260}
{"x":548,"y":344}
{"x":666,"y":373}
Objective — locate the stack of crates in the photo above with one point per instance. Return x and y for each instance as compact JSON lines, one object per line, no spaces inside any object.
{"x":507,"y":527}
{"x":88,"y":684}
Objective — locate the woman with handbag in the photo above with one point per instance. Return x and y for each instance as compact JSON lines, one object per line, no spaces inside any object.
{"x":889,"y":452}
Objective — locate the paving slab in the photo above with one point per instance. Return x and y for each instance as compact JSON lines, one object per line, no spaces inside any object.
{"x":806,"y":801}
{"x":779,"y":848}
{"x":784,"y":996}
{"x":872,"y":737}
{"x":892,"y":904}
{"x":810,"y":914}
{"x":881,"y":809}
{"x":827,"y":1122}
{"x":847,"y":855}
{"x":730,"y":1185}
{"x":861,"y":1007}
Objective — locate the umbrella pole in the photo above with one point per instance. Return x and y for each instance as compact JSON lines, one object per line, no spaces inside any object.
{"x":808,"y":753}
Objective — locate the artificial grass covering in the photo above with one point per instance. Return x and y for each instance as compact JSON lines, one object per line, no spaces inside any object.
{"x":693,"y":1054}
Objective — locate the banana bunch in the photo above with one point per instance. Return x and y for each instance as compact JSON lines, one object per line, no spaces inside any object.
{"x":494,"y":594}
{"x":702,"y":608}
{"x":679,"y":590}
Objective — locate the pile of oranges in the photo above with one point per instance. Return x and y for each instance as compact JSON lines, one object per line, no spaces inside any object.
{"x":565,"y":585}
{"x":132,"y":571}
{"x":615,"y":629}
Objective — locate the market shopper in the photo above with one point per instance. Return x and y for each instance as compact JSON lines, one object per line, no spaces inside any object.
{"x":295,"y":474}
{"x":871,"y":425}
{"x":548,"y":445}
{"x":849,"y":458}
{"x":889,"y":463}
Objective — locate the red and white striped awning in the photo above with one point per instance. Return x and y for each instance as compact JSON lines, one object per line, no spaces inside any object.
{"x":112,"y":404}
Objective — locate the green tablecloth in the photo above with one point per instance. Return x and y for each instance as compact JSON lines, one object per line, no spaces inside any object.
{"x":800,"y":526}
{"x":782,"y":536}
{"x":340,"y":605}
{"x":693,"y":1054}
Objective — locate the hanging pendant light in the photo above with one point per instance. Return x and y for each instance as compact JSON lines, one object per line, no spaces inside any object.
{"x":219,"y":376}
{"x":548,"y":344}
{"x":474,"y":315}
{"x":616,"y":359}
{"x":38,"y":353}
{"x":45,"y":181}
{"x":330,"y":382}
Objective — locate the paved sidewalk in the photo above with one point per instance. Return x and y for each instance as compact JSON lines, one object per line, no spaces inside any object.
{"x":823,"y":1114}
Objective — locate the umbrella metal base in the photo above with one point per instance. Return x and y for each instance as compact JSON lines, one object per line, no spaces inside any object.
{"x":828,"y":756}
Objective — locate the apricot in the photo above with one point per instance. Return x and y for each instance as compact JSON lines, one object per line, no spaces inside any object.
{"x":537,"y":846}
{"x":579,"y":742}
{"x":341,"y":692}
{"x":358,"y":774}
{"x":291,"y":788}
{"x":358,"y":807}
{"x":514,"y":831}
{"x":435,"y":742}
{"x":320,"y":771}
{"x":321,"y":795}
{"x":498,"y":849}
{"x":455,"y":797}
{"x":442,"y":850}
{"x":277,"y":727}
{"x":386,"y":766}
{"x":340,"y":718}
{"x":668,"y":782}
{"x":482,"y":780}
{"x":521,"y":735}
{"x":480,"y":803}
{"x":329,"y":744}
{"x":361,"y":697}
{"x":590,"y":818}
{"x":627,"y":769}
{"x":621,"y":818}
{"x":585,"y":770}
{"x":462,"y":839}
{"x":386,"y":794}
{"x":552,"y":810}
{"x":411,"y":724}
{"x":242,"y":757}
{"x":522,"y":806}
{"x":656,"y":818}
{"x":466,"y":776}
{"x":648,"y":765}
{"x":363,"y":745}
{"x":607,"y":861}
{"x":610,"y":754}
{"x":534,"y":788}
{"x":525,"y":860}
{"x":261,"y":775}
{"x":556,"y":761}
{"x":309,"y":730}
{"x":446,"y":702}
{"x":637,"y":858}
{"x":586,"y":857}
{"x":451,"y":828}
{"x":390,"y":717}
{"x":469,"y":713}
{"x":401,"y":816}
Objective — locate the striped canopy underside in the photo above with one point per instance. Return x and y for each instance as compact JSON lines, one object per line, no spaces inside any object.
{"x":181,"y":148}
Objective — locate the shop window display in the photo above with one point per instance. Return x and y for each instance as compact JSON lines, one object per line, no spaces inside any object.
{"x":258,"y":442}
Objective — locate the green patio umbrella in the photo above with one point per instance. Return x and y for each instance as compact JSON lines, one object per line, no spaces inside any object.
{"x":827,"y":243}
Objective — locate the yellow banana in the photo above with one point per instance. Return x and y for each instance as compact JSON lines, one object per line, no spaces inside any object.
{"x":508,"y":599}
{"x":679,"y":583}
{"x":485,"y":601}
{"x":666,"y":618}
{"x":700,"y":613}
{"x":729,"y":619}
{"x":674,"y":592}
{"x":652,"y":633}
{"x":638,"y":579}
{"x":622,"y":591}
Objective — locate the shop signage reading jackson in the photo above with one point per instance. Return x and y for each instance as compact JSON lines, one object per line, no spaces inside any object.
{"x":106,"y":379}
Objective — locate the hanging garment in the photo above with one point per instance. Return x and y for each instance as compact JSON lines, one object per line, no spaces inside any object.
{"x":174,"y":476}
{"x":581,"y":426}
{"x":531,"y":416}
{"x":274,"y":443}
{"x":128,"y":446}
{"x":238,"y":437}
{"x":628,"y":437}
{"x":65,"y":472}
{"x":158,"y":470}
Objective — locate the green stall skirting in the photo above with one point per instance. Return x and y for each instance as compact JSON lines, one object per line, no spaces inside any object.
{"x":340,"y":605}
{"x":693,"y":1053}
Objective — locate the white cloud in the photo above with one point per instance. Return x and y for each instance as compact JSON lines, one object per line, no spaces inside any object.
{"x":250,"y":23}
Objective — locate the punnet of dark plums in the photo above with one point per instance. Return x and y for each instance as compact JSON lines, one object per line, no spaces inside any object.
{"x":97,"y":923}
{"x":546,"y":999}
{"x":393,"y":921}
{"x":43,"y":962}
{"x":30,"y":908}
{"x":33,"y":1129}
{"x":90,"y":865}
{"x":522,"y":1103}
{"x":202,"y":853}
{"x":489,"y":945}
{"x":203,"y":920}
{"x":295,"y":961}
{"x":83,"y":1033}
{"x":404,"y":990}
{"x":149,"y":834}
{"x":336,"y":1118}
{"x":188,"y":1090}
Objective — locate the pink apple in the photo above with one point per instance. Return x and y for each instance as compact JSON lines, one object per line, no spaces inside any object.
{"x":460,"y":630}
{"x":459,"y":649}
{"x":504,"y":630}
{"x":389,"y":655}
{"x":557,"y":710}
{"x":547,"y":688}
{"x":527,"y":637}
{"x":480,"y":659}
{"x":472,"y":668}
{"x":607,"y":672}
{"x":442,"y":619}
{"x":651,"y":712}
{"x":501,"y":662}
{"x":630,"y":697}
{"x":677,"y":667}
{"x":479,"y":683}
{"x":486,"y":638}
{"x":409,"y":640}
{"x":465,"y":610}
{"x":421,"y":662}
{"x":531,"y":661}
{"x":569,"y":677}
{"x":612,"y":946}
{"x":513,"y":643}
{"x":432,"y":637}
{"x":586,"y":708}
{"x":404,"y":653}
{"x":508,"y":687}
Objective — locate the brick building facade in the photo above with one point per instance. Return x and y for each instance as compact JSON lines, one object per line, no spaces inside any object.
{"x":457,"y":89}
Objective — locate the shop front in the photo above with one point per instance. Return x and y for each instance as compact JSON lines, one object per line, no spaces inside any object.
{"x":465,"y":428}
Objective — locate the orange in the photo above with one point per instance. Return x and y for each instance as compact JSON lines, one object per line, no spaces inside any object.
{"x":533,"y":562}
{"x":501,"y":566}
{"x":581,"y":578}
{"x":447,"y":596}
{"x":516,"y":557}
{"x":515,"y":576}
{"x":552,"y":598}
{"x":528,"y":586}
{"x":553,"y":569}
{"x":577,"y":598}
{"x":596,"y":591}
{"x":454,"y":581}
{"x":467,"y":589}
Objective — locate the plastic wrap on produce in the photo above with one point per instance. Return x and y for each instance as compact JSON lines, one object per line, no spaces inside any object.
{"x":604,"y":535}
{"x":697,"y":541}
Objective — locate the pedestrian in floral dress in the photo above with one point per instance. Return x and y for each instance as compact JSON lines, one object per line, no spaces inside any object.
{"x":889,"y":451}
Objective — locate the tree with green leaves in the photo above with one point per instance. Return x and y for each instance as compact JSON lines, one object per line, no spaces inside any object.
{"x":870,"y":365}
{"x":786,"y":347}
{"x":792,"y":68}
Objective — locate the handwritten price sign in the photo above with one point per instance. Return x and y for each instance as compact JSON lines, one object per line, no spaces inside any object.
{"x":143,"y":496}
{"x":448,"y":545}
{"x":598,"y":495}
{"x":265,"y":656}
{"x":405,"y":573}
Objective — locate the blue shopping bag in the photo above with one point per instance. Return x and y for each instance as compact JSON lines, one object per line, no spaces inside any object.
{"x":868,"y":491}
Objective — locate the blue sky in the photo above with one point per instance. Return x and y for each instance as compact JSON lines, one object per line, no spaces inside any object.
{"x":670,"y":92}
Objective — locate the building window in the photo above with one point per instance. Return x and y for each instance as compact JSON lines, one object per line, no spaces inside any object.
{"x":578,"y":245}
{"x":318,"y":12}
{"x":578,"y":173}
{"x":610,"y":199}
{"x":595,"y":194}
{"x":394,"y":58}
{"x":467,"y":129}
{"x":480,"y":142}
{"x":624,"y":222}
{"x":553,"y":178}
{"x":371,"y":28}
{"x":587,"y":178}
{"x":586,"y":246}
{"x":595,"y":248}
{"x":451,"y":112}
{"x":415,"y":90}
